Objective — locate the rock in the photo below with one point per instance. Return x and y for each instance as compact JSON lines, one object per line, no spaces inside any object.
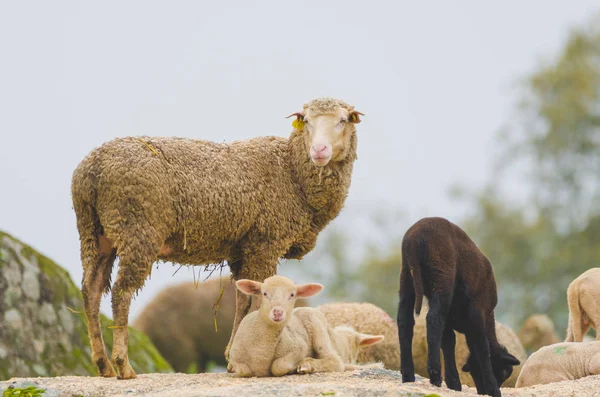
{"x":39,"y":335}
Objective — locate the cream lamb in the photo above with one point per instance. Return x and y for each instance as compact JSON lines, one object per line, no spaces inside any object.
{"x":561,"y":361}
{"x":278,"y":339}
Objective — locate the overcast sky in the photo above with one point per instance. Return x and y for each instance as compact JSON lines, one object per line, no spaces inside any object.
{"x":436,"y":80}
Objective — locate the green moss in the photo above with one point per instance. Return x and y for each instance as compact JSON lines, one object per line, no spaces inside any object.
{"x":58,"y":286}
{"x":30,"y":391}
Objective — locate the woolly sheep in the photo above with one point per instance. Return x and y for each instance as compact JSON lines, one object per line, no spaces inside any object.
{"x":278,"y":339}
{"x":195,"y":202}
{"x":441,"y":262}
{"x":583,"y":296}
{"x":368,"y":319}
{"x":179,"y":322}
{"x":537,"y":331}
{"x":561,"y":361}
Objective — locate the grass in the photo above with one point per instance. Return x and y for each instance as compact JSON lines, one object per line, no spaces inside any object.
{"x":30,"y":391}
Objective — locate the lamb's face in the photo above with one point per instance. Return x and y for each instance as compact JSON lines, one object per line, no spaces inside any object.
{"x":279,"y":295}
{"x":327,"y":135}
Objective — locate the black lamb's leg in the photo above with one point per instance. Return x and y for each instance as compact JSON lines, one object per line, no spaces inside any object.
{"x":406,"y":322}
{"x":450,"y":373}
{"x":479,"y":347}
{"x":439,"y":305}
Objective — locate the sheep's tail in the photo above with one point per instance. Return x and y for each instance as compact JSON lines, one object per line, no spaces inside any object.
{"x":418,"y":283}
{"x":83,"y":192}
{"x":574,"y":330}
{"x":352,"y":367}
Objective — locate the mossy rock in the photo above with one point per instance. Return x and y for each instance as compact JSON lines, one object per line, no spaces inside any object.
{"x":43,"y":330}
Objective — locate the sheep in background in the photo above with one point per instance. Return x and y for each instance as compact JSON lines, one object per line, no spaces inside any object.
{"x":537,"y":331}
{"x":195,"y":202}
{"x":561,"y":361}
{"x":179,"y":321}
{"x":441,"y":262}
{"x":278,"y":339}
{"x":368,"y":319}
{"x":583,"y":297}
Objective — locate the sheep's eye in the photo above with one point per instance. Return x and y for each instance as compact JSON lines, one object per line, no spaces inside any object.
{"x":292,"y":295}
{"x":264,"y":294}
{"x":342,"y":121}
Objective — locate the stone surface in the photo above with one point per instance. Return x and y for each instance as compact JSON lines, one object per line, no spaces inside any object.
{"x":39,"y":335}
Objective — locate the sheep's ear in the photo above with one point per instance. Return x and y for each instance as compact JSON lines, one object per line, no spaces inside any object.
{"x":509,"y":359}
{"x":298,"y":124}
{"x":248,"y":287}
{"x":368,"y":340}
{"x":299,"y":115}
{"x":354,"y":117}
{"x":308,"y":290}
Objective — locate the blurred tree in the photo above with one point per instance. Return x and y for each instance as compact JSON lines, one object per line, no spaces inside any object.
{"x":539,"y":246}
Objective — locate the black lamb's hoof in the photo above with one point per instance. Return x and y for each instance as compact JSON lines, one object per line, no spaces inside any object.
{"x":435,"y":377}
{"x":408,"y":378}
{"x":454,"y":384}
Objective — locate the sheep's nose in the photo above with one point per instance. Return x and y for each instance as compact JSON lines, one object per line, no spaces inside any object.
{"x":319,"y":148}
{"x":277,"y":314}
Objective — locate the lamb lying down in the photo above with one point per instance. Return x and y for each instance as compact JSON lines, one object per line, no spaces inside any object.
{"x":561,"y":361}
{"x":278,"y":339}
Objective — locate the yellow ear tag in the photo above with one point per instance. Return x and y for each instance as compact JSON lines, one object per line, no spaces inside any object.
{"x":298,"y":124}
{"x":353,"y":117}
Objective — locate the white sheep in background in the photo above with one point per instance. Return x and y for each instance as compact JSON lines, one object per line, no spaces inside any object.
{"x":278,"y":339}
{"x":561,"y":361}
{"x":537,"y":331}
{"x":583,"y":297}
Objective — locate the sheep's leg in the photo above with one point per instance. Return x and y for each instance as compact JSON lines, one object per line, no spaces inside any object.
{"x":450,"y":373}
{"x":406,"y":323}
{"x":287,"y":364}
{"x":134,"y":268}
{"x":436,"y":322}
{"x":479,"y":347}
{"x":96,"y":280}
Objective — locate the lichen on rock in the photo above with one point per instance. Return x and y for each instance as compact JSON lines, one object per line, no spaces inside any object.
{"x":43,"y":329}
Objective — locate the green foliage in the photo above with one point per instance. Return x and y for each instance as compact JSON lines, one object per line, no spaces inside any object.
{"x":30,"y":391}
{"x":538,"y":246}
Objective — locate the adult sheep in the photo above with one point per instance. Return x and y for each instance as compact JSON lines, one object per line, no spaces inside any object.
{"x":195,"y":202}
{"x":179,"y":321}
{"x":583,"y":296}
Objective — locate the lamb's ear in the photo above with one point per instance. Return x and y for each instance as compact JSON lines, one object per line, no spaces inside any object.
{"x":354,"y":117}
{"x":508,"y":358}
{"x":368,"y":340}
{"x":248,"y":287}
{"x":308,"y":290}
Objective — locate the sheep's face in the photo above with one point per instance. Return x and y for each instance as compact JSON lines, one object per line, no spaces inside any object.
{"x":502,"y":364}
{"x":279,"y":296}
{"x":327,"y":135}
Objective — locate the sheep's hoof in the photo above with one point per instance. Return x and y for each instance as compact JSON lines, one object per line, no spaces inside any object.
{"x":105,"y":368}
{"x":230,"y":368}
{"x":454,"y":384}
{"x":304,"y":367}
{"x":408,"y":378}
{"x":126,"y":372}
